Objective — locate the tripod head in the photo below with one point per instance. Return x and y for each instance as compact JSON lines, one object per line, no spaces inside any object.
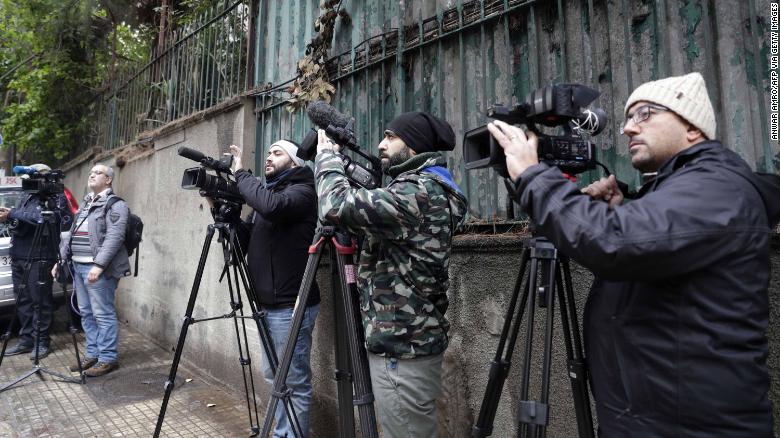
{"x":226,"y":210}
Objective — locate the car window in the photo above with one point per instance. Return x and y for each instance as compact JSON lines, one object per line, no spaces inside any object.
{"x":8,"y":199}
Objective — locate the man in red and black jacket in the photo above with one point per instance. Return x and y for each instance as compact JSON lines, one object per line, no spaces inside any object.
{"x":282,"y":228}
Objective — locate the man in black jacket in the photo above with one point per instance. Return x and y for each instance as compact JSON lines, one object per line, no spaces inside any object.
{"x":38,"y":261}
{"x":282,"y":228}
{"x":676,"y":319}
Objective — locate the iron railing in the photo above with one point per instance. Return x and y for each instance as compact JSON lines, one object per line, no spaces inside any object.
{"x":201,"y":64}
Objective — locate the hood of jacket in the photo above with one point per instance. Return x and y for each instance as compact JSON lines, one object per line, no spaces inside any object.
{"x":767,"y":185}
{"x":433,"y":165}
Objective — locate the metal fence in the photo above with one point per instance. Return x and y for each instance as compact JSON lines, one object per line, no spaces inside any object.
{"x":200,"y":65}
{"x":456,"y":58}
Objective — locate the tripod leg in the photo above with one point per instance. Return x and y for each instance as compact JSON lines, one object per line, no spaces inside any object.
{"x":364,"y":397}
{"x":527,"y":407}
{"x":280,"y":389}
{"x":264,"y":332}
{"x":499,"y":367}
{"x":343,"y":372}
{"x":42,"y":291}
{"x":72,"y":326}
{"x":19,"y":379}
{"x":576,"y":365}
{"x":184,"y":327}
{"x":42,"y":240}
{"x":20,"y":290}
{"x":8,"y":331}
{"x":548,"y":274}
{"x":236,"y":306}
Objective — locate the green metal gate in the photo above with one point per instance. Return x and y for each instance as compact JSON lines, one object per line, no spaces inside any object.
{"x":455,"y":58}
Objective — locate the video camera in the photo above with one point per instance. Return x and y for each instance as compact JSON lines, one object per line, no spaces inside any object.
{"x":220,"y":187}
{"x":552,"y":106}
{"x":41,"y":183}
{"x":340,"y":128}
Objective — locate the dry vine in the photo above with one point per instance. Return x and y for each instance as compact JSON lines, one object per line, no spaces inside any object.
{"x":312,"y":82}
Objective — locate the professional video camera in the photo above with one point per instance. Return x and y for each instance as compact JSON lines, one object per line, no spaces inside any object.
{"x":340,"y":128}
{"x":42,"y":183}
{"x":218,"y":186}
{"x":552,"y":106}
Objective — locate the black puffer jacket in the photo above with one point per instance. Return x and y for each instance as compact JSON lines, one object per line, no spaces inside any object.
{"x":284,"y":221}
{"x":675,"y":322}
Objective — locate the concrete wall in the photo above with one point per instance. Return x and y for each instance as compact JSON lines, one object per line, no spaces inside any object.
{"x":483,"y":270}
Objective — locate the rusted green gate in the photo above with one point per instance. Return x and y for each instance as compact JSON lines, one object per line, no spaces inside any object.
{"x":455,"y":58}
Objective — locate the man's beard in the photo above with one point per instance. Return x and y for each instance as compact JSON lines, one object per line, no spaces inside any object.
{"x":399,"y":158}
{"x":275,"y":171}
{"x":272,"y":173}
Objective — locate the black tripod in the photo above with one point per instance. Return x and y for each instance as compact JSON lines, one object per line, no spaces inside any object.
{"x":549,"y":272}
{"x":226,"y":216}
{"x":44,"y":243}
{"x":351,"y":359}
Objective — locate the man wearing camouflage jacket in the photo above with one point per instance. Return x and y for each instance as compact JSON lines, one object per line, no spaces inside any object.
{"x":403,"y":271}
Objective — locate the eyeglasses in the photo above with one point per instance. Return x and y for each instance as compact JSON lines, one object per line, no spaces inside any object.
{"x":641,"y":114}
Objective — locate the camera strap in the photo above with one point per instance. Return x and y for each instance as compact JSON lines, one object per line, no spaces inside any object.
{"x":70,"y":238}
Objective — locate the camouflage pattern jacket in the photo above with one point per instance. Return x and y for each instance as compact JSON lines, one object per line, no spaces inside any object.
{"x":403,"y":270}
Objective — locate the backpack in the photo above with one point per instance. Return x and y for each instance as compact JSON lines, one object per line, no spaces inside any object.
{"x":133,"y":231}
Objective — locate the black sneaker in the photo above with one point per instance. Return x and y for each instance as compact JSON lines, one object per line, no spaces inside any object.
{"x":43,"y":351}
{"x":19,"y":348}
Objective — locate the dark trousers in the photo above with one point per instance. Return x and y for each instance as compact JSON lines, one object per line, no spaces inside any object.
{"x":26,"y":298}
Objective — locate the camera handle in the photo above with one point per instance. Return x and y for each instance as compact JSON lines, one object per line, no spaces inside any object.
{"x":346,"y":138}
{"x":549,"y":273}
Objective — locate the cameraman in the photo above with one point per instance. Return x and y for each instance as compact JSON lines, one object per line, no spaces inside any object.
{"x":282,"y":228}
{"x":676,"y":319}
{"x":24,"y":219}
{"x":403,"y":271}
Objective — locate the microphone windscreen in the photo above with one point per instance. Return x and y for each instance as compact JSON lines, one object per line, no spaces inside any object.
{"x":592,"y":122}
{"x":323,"y":115}
{"x":192,"y":154}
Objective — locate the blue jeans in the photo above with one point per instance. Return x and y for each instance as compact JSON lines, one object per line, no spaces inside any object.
{"x":299,"y":377}
{"x":98,"y":314}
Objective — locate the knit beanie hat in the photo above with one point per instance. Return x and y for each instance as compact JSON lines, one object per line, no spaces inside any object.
{"x":291,"y":149}
{"x":423,"y":132}
{"x":685,"y":95}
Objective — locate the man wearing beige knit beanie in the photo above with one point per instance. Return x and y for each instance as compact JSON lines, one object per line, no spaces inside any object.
{"x":676,"y":320}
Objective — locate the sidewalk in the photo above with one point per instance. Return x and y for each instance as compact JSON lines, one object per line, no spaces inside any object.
{"x":123,"y":403}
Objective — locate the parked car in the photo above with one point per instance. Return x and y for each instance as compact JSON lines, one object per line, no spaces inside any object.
{"x":10,"y":192}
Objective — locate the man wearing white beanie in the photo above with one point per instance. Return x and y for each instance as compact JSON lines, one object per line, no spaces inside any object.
{"x":281,"y":228}
{"x":676,"y":320}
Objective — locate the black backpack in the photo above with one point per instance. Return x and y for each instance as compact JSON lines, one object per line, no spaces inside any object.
{"x":133,"y":231}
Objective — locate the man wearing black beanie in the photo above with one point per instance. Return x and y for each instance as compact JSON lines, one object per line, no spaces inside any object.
{"x":403,"y":272}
